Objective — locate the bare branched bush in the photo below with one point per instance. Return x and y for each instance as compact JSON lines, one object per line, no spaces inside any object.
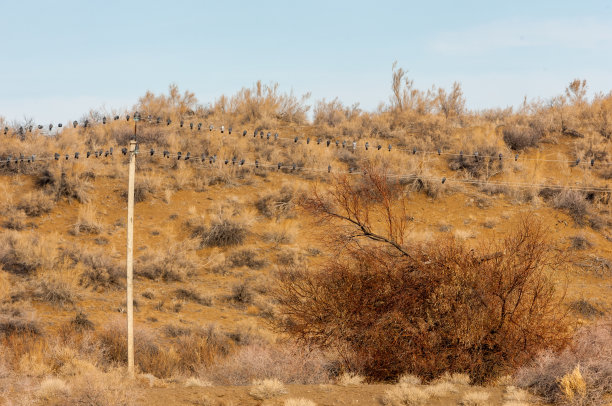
{"x":443,"y":306}
{"x":222,"y":232}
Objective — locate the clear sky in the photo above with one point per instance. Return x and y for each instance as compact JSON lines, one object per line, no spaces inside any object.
{"x":61,"y":58}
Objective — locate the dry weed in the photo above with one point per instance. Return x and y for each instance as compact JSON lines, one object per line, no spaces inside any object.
{"x":87,"y":222}
{"x":405,"y":395}
{"x":267,"y":389}
{"x":476,"y":397}
{"x":299,"y":402}
{"x":350,"y":379}
{"x":53,"y":387}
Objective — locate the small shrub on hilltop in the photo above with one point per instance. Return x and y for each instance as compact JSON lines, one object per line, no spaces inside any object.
{"x":443,"y":306}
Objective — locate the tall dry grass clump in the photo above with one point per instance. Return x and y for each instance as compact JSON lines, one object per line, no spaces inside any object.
{"x":24,"y":253}
{"x":390,"y":306}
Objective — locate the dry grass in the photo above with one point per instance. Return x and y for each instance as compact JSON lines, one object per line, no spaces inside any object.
{"x":350,"y":379}
{"x":15,"y":321}
{"x":193,"y":296}
{"x":88,"y":222}
{"x":53,"y":388}
{"x":573,"y":387}
{"x":476,"y":397}
{"x":24,"y":253}
{"x":267,"y":389}
{"x":36,"y":204}
{"x":405,"y":395}
{"x":196,"y":382}
{"x":15,"y":219}
{"x":290,"y":364}
{"x":299,"y":402}
{"x":175,"y":263}
{"x":54,"y":290}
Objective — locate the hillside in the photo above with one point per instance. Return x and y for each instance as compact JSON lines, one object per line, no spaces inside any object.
{"x":211,"y":237}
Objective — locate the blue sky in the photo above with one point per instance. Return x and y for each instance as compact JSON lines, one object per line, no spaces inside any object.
{"x":61,"y":58}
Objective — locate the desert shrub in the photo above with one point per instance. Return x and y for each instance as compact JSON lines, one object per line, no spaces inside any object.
{"x":584,"y":308}
{"x":15,"y":220}
{"x":45,"y":178}
{"x":101,"y":271}
{"x":53,"y":291}
{"x":580,"y":242}
{"x":487,"y":163}
{"x":518,"y":138}
{"x":444,"y":306}
{"x":241,"y":293}
{"x":193,"y":296}
{"x":289,"y":363}
{"x":574,"y":203}
{"x":22,"y":254}
{"x":150,"y":357}
{"x":16,"y":321}
{"x":556,"y":376}
{"x":246,"y":258}
{"x":276,"y":205}
{"x":36,"y":204}
{"x":80,"y":322}
{"x":221,"y":233}
{"x":72,"y":187}
{"x":175,"y":263}
{"x":599,"y":266}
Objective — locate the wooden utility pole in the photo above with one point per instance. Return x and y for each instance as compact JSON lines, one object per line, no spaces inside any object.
{"x":130,"y":259}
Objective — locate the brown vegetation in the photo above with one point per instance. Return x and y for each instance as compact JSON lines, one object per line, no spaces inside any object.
{"x":442,"y":306}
